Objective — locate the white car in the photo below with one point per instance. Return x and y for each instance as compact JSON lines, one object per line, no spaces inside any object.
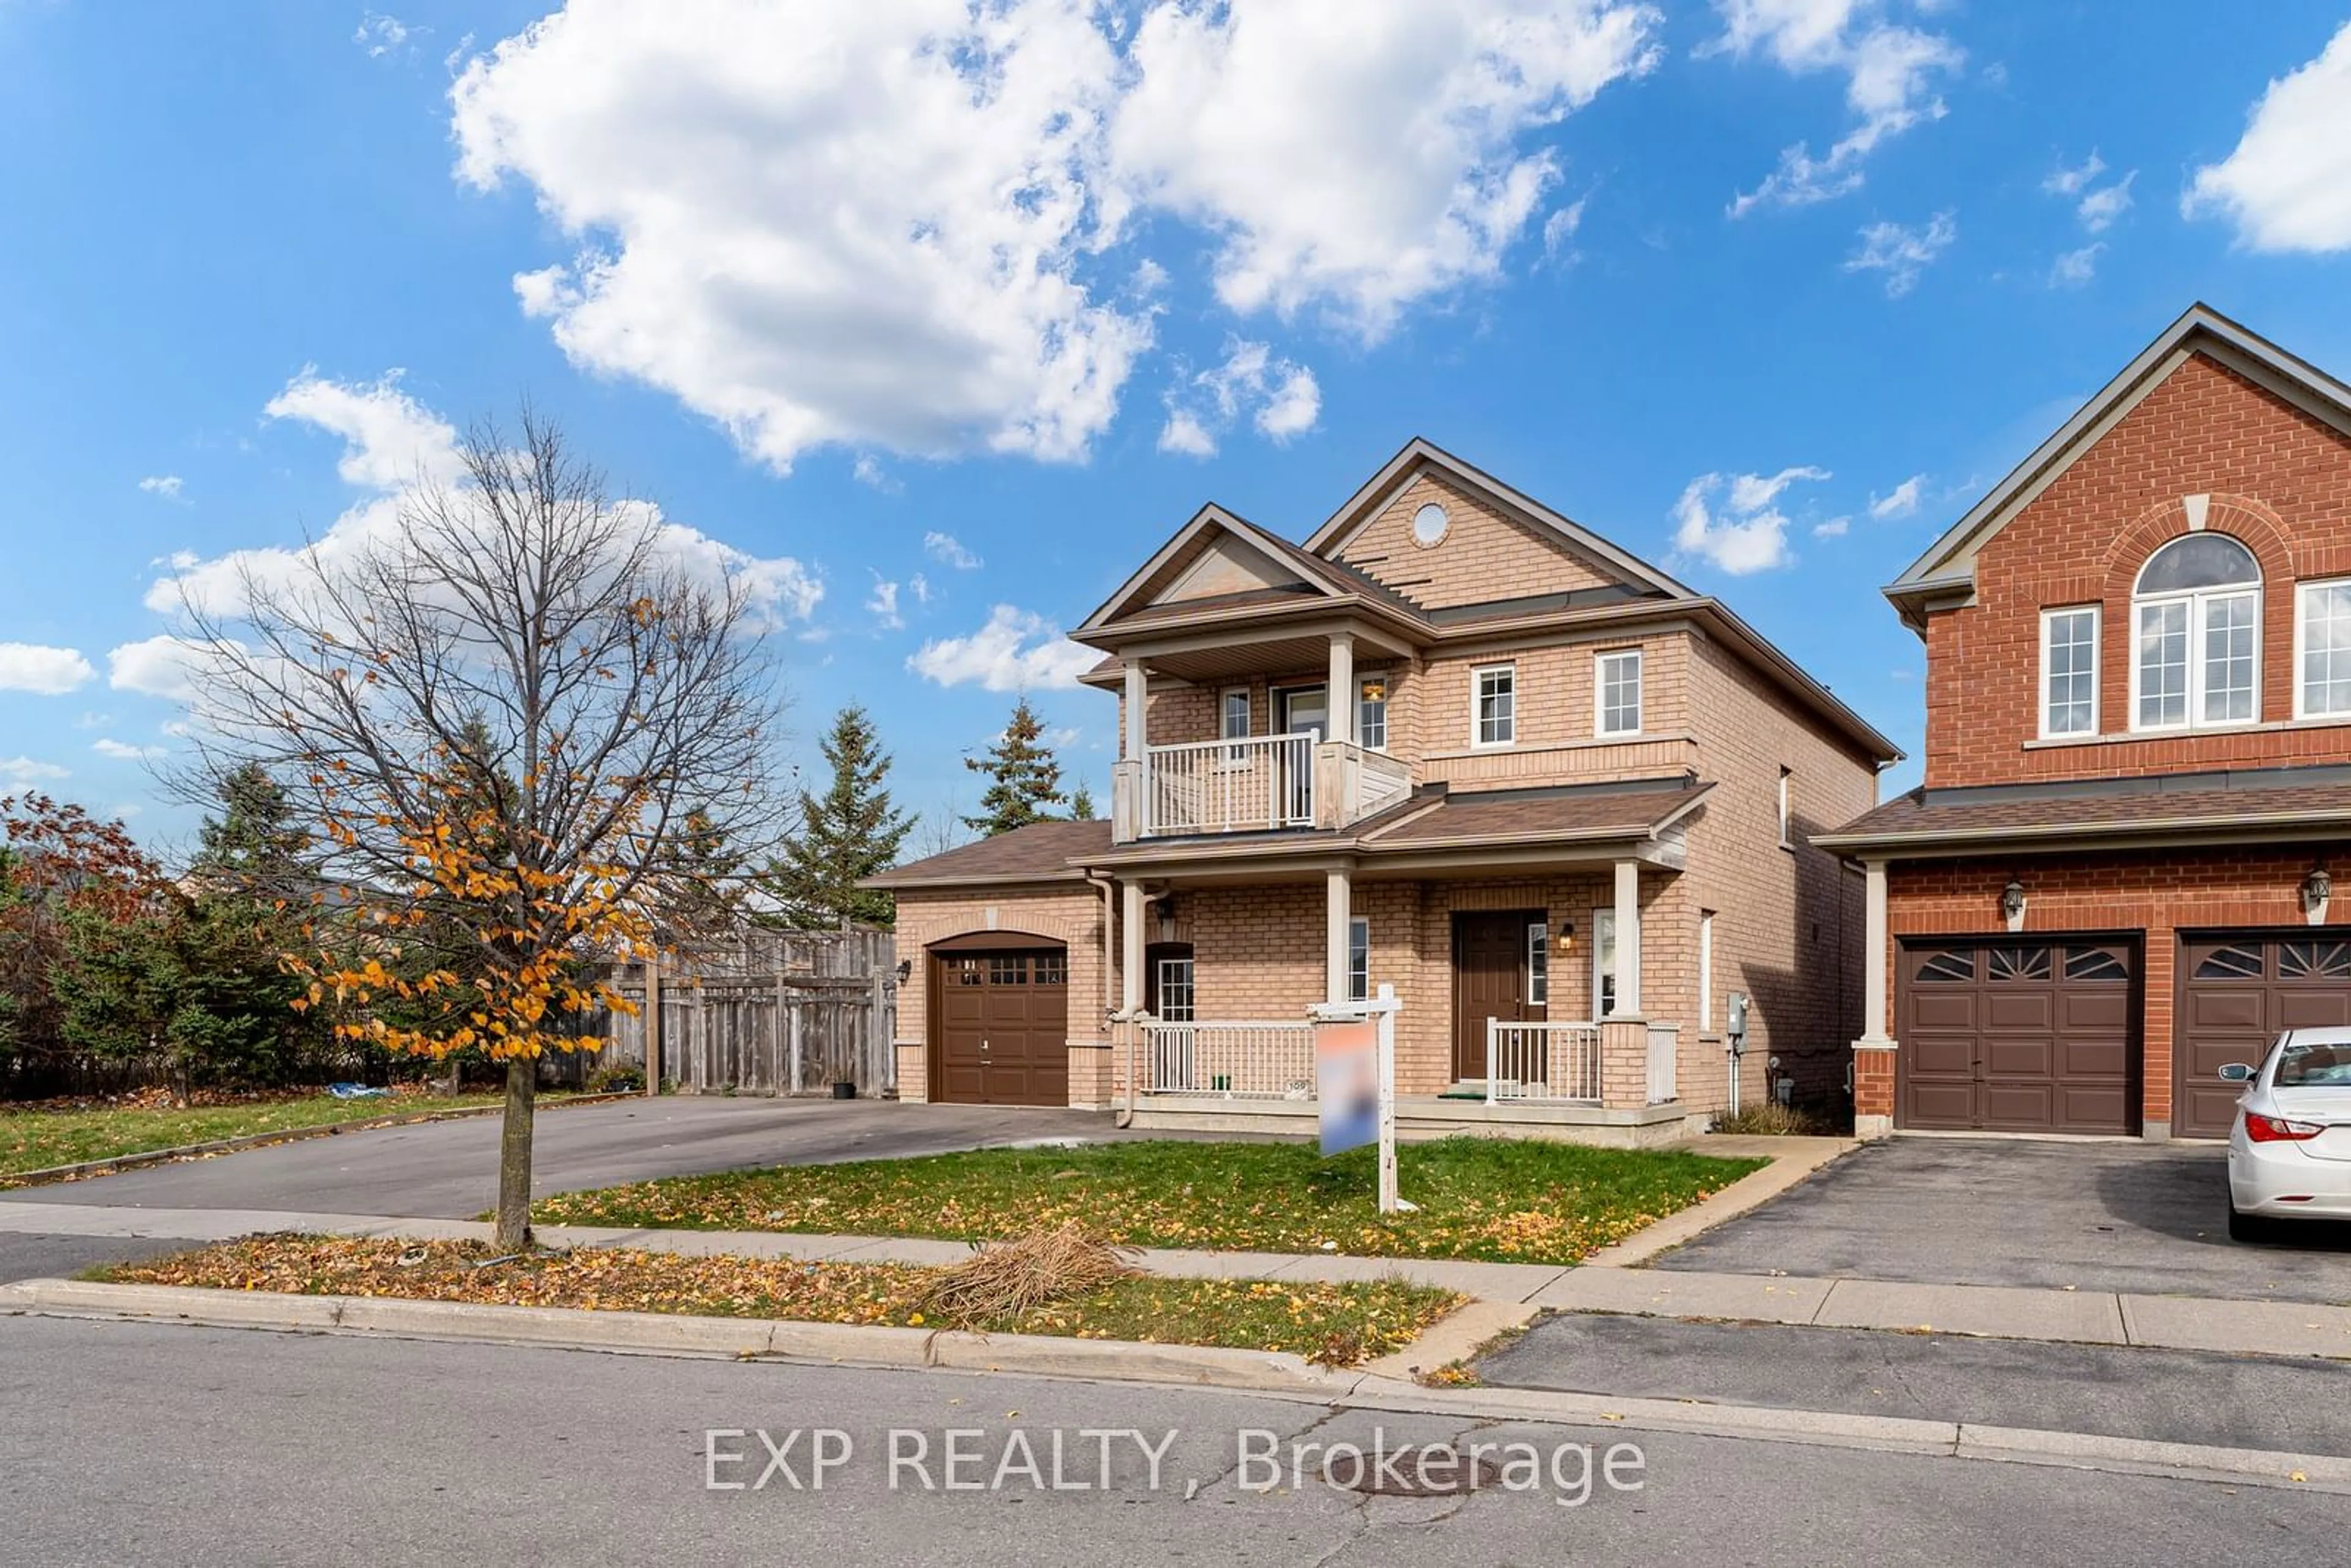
{"x":2290,"y":1151}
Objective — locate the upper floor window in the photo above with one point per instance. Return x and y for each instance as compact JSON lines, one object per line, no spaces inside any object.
{"x":2322,"y":636}
{"x":1617,"y":680}
{"x":1494,"y":704}
{"x":1372,"y":712}
{"x":1359,"y":959}
{"x":1237,"y":722}
{"x":2196,"y":621}
{"x":2069,"y":670}
{"x":1787,"y":817}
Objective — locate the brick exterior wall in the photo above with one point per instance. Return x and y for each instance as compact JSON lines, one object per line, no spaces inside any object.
{"x":1483,"y":556}
{"x":2280,"y":481}
{"x":1070,"y":912}
{"x":2159,"y":893}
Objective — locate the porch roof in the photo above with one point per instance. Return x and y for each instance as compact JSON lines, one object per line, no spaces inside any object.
{"x":1641,"y":809}
{"x":2261,"y":805}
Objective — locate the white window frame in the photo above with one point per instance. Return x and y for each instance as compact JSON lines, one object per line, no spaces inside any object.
{"x":2301,"y":645}
{"x":2198,"y":602}
{"x":1478,"y":674}
{"x":1705,"y":971}
{"x":1600,"y":662}
{"x":1538,"y":963}
{"x":1603,"y":958}
{"x":1235,"y":757}
{"x":2049,"y":619}
{"x":1787,"y":819}
{"x":1359,"y":943}
{"x":1188,"y":966}
{"x":1387,"y":686}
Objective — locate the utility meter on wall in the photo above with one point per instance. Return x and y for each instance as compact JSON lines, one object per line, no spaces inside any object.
{"x":1734,"y":1021}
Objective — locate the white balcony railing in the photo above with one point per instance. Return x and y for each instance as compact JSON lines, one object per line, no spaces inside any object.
{"x":1664,"y":1043}
{"x":1259,"y":782}
{"x":1553,"y":1061}
{"x":1230,"y":1061}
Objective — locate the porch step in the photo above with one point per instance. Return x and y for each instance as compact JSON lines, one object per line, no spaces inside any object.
{"x":1465,"y":1089}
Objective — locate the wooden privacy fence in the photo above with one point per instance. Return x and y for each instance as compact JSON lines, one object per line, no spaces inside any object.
{"x":770,"y":1013}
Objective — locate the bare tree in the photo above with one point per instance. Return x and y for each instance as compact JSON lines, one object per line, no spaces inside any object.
{"x":509,"y":723}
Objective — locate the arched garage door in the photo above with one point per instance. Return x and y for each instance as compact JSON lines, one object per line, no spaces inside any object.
{"x":1000,"y":1022}
{"x":2018,"y":1035}
{"x":2238,"y":990}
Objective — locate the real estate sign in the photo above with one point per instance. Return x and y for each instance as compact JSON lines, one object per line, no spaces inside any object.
{"x":1347,"y":1079}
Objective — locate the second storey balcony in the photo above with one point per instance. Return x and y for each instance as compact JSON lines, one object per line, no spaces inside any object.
{"x":1296,"y":781}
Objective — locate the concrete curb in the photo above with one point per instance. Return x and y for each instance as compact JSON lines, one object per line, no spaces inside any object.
{"x":84,"y":1169}
{"x":1277,"y":1374}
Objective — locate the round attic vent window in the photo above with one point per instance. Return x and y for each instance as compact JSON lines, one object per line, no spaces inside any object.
{"x":1429,"y":524}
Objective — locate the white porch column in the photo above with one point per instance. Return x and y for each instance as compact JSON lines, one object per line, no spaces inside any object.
{"x":1130,"y":949}
{"x":1138,"y":681}
{"x":1340,"y":692}
{"x":1873,"y":951}
{"x":1628,"y":940}
{"x":1338,"y":907}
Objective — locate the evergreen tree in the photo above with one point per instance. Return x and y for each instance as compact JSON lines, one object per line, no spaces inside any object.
{"x":253,"y":845}
{"x":1024,"y":777}
{"x":1082,"y":802}
{"x":849,"y":833}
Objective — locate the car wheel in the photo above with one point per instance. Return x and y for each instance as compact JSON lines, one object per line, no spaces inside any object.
{"x":2247,"y":1227}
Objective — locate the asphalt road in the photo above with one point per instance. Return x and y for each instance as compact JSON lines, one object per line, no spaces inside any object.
{"x":2145,"y":1218}
{"x":2120,"y":1391}
{"x":449,"y":1169}
{"x":133,"y":1444}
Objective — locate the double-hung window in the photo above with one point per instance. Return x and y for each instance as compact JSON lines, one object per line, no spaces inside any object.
{"x":1494,"y":703}
{"x":1372,"y":712}
{"x":2069,"y":672}
{"x":2321,"y":641}
{"x":1359,"y":959}
{"x":1236,"y":722}
{"x":1617,"y":686}
{"x":2196,"y":628}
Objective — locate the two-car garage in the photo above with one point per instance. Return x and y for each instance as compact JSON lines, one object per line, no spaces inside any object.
{"x":2047,"y":1033}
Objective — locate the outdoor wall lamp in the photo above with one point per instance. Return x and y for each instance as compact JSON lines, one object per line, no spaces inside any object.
{"x":2011,"y":905}
{"x":2316,"y":889}
{"x":1567,"y":937}
{"x":905,"y":968}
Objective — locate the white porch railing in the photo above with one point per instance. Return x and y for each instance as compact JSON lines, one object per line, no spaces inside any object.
{"x":1259,"y":782}
{"x":1665,"y":1042}
{"x":1231,"y":1061}
{"x":1554,"y":1062}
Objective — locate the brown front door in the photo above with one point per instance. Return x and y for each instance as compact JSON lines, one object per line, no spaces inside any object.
{"x":2023,"y":1035}
{"x":1003,"y":1032}
{"x":1489,"y":981}
{"x":2237,"y":991}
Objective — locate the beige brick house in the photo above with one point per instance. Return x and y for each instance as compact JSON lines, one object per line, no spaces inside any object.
{"x":2117,"y":875}
{"x":1455,"y":744}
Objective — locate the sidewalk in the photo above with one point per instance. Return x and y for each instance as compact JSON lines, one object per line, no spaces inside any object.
{"x":2077,"y":1317}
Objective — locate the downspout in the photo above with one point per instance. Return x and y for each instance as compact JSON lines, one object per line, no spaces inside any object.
{"x":1110,"y":1010}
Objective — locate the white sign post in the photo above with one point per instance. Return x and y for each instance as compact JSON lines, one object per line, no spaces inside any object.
{"x":1380,"y":1012}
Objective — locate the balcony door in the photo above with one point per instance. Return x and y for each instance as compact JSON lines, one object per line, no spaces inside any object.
{"x":1300,"y":710}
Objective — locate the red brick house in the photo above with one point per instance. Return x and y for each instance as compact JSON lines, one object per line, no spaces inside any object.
{"x":2118,"y":874}
{"x":1455,"y":744}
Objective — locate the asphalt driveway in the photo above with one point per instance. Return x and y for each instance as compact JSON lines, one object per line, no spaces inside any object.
{"x":2148,"y":1218}
{"x":449,"y":1169}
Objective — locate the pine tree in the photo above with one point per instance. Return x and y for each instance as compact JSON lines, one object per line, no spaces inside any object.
{"x":1024,"y":777}
{"x":849,"y":834}
{"x":1082,"y":802}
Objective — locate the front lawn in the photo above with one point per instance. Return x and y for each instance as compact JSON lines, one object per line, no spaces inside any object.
{"x":1336,"y":1324}
{"x":1510,"y":1200}
{"x":35,"y":1138}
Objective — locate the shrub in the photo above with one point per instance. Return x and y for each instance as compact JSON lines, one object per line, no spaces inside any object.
{"x":1769,"y":1118}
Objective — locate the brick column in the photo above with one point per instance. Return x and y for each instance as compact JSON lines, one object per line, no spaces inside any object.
{"x":1623,"y":1061}
{"x":913,"y":1074}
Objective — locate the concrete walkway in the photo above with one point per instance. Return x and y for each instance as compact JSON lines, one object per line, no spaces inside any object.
{"x":2082,"y":1317}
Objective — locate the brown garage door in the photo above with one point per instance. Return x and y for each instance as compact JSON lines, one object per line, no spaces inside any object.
{"x":2237,"y":991}
{"x":2019,"y":1036}
{"x":1003,"y":1030}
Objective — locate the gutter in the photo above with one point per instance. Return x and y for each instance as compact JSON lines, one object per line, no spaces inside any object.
{"x":2065,"y":835}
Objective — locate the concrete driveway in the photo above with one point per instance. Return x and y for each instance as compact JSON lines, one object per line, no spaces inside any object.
{"x":449,"y":1169}
{"x":2148,"y":1218}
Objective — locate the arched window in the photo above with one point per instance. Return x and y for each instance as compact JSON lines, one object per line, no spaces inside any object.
{"x":2196,"y":617}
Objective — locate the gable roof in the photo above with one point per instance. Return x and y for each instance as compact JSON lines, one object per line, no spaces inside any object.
{"x":1420,"y":454}
{"x":1295,"y":575}
{"x":1948,"y":567}
{"x":1041,"y":851}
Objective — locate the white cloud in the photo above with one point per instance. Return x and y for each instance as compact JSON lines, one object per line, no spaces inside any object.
{"x":167,"y":486}
{"x":948,"y":550}
{"x":1899,"y":502}
{"x":1889,"y":71}
{"x":910,"y":224}
{"x":883,"y":604}
{"x":1559,"y":232}
{"x":123,"y":751}
{"x":1833,"y":529}
{"x":868,"y":470}
{"x":381,"y":34}
{"x":2100,"y":208}
{"x":2071,"y":182}
{"x":391,"y":443}
{"x":920,"y":587}
{"x":2076,"y":267}
{"x":1747,"y":532}
{"x":94,"y":721}
{"x":2287,"y":186}
{"x":1900,"y":253}
{"x":43,"y":671}
{"x":1282,"y":397}
{"x":155,"y":667}
{"x":24,"y":770}
{"x":1016,"y":650}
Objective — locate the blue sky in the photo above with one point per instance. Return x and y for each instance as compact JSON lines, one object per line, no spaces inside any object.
{"x":944,"y":317}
